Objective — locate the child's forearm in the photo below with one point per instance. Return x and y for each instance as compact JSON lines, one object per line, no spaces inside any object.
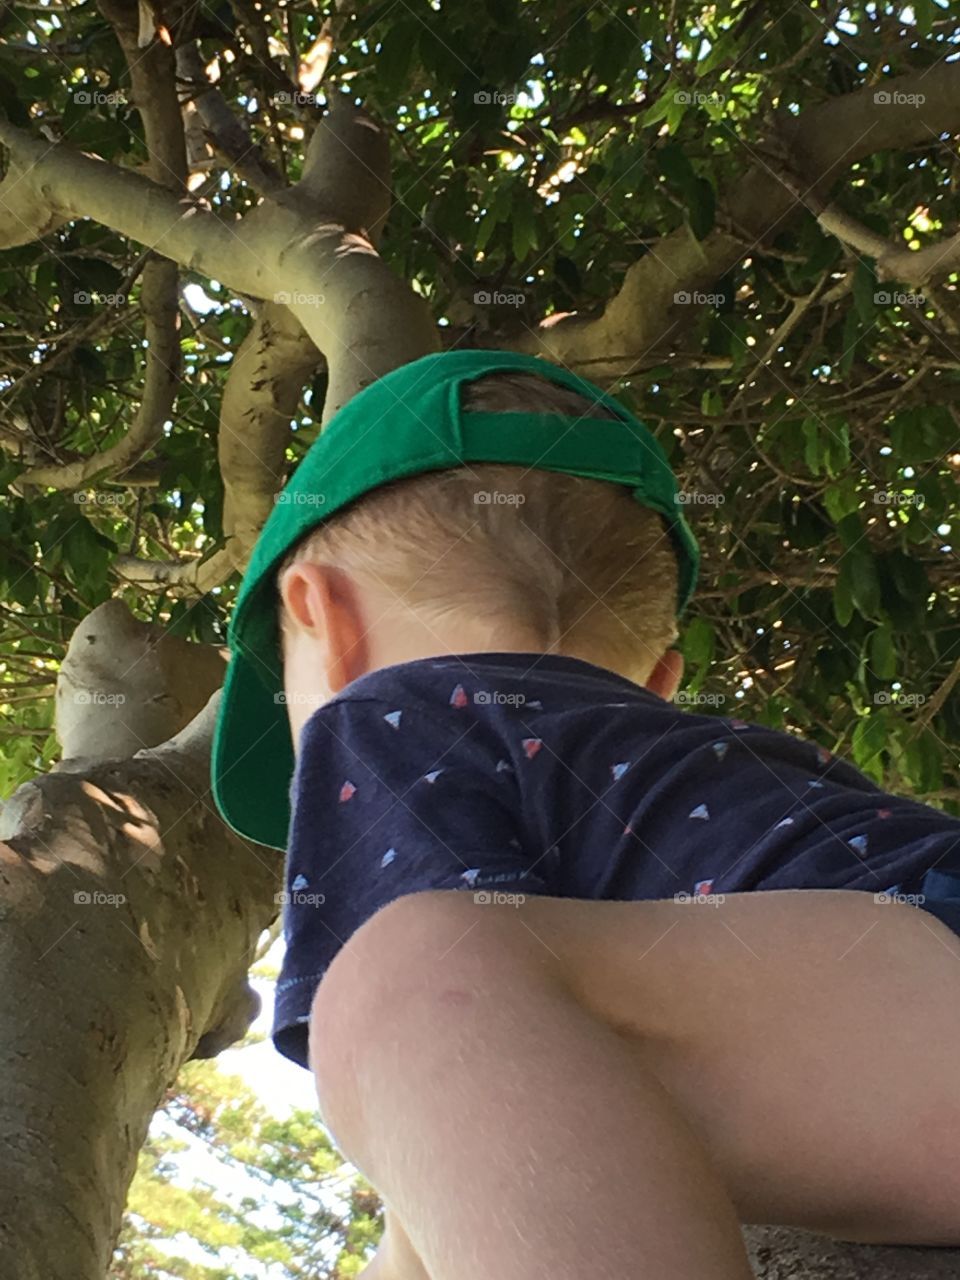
{"x":396,"y":1258}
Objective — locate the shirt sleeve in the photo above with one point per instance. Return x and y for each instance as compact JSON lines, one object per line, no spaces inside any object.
{"x":741,"y":807}
{"x":389,"y":801}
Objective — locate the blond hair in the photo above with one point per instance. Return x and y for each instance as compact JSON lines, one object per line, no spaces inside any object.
{"x":575,"y":562}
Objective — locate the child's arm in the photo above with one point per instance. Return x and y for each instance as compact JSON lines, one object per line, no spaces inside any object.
{"x":389,"y":802}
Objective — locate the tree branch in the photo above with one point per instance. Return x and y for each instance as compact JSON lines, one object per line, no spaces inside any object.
{"x":306,"y":247}
{"x":120,"y":856}
{"x":932,"y":709}
{"x":347,"y":167}
{"x":222,"y":129}
{"x":891,"y":261}
{"x":822,"y":143}
{"x":915,"y":267}
{"x":153,"y":93}
{"x":65,"y":184}
{"x":260,"y":398}
{"x":126,"y":684}
{"x":309,"y":252}
{"x":193,"y":577}
{"x":160,"y":306}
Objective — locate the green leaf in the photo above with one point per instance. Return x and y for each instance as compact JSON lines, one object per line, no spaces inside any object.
{"x":23,"y":588}
{"x":811,"y":451}
{"x":87,"y":556}
{"x":923,"y":761}
{"x":869,"y":740}
{"x":676,"y":110}
{"x":849,"y":342}
{"x":701,"y":208}
{"x":859,"y":569}
{"x":434,"y":131}
{"x":850,"y":530}
{"x":843,"y":600}
{"x":488,"y":224}
{"x":925,"y":13}
{"x":835,"y":665}
{"x":883,"y":653}
{"x":658,"y":111}
{"x":524,"y":232}
{"x":939,"y":429}
{"x":711,"y":403}
{"x":836,"y":453}
{"x":675,"y":166}
{"x":698,"y":643}
{"x":902,"y":428}
{"x":864,"y":288}
{"x":842,"y":498}
{"x":607,"y":55}
{"x":774,"y":714}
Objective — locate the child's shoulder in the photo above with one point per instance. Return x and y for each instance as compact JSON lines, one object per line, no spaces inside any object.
{"x":460,"y":681}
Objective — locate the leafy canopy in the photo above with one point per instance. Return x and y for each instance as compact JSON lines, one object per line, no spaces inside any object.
{"x":539,"y":151}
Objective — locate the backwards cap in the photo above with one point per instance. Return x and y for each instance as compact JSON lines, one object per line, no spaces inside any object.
{"x":407,"y":422}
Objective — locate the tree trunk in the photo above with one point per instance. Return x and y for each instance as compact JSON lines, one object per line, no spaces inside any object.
{"x":131,"y":915}
{"x":778,"y":1253}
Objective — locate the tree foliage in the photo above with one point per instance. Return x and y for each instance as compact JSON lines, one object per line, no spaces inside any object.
{"x":226,"y":1190}
{"x":539,"y":152}
{"x":739,"y":217}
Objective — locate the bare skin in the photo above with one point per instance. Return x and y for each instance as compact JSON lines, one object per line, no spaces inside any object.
{"x":396,"y":1258}
{"x":578,"y":1088}
{"x":535,"y":1090}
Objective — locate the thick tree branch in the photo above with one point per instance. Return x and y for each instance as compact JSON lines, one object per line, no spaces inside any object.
{"x":916,"y":267}
{"x":160,"y":306}
{"x":822,"y":144}
{"x":114,"y":863}
{"x":260,"y":398}
{"x":153,"y":93}
{"x":126,"y":684}
{"x":303,"y":248}
{"x":786,"y":1253}
{"x":67,"y":184}
{"x":892,"y":261}
{"x":25,"y":212}
{"x":347,"y":168}
{"x":309,"y":252}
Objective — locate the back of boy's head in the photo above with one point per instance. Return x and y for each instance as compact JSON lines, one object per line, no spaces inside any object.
{"x":576,"y":563}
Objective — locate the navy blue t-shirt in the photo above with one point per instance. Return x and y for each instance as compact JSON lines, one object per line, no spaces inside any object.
{"x":524,"y":773}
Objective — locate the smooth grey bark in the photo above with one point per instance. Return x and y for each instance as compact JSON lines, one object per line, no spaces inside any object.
{"x":130,"y":916}
{"x":301,"y":249}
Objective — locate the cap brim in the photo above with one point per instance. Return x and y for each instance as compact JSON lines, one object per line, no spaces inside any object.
{"x":252,"y":760}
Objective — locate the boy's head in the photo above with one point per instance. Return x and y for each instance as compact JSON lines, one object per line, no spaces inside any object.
{"x":481,"y":557}
{"x":468,"y":501}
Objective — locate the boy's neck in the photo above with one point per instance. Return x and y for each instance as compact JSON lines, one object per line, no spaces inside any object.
{"x":416,"y":638}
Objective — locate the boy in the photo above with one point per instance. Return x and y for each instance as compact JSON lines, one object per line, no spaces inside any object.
{"x":608,"y":1052}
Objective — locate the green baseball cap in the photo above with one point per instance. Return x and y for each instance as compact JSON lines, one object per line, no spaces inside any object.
{"x":405,"y":423}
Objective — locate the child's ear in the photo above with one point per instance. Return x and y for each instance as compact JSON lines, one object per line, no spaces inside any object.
{"x":323,"y":603}
{"x":301,"y":590}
